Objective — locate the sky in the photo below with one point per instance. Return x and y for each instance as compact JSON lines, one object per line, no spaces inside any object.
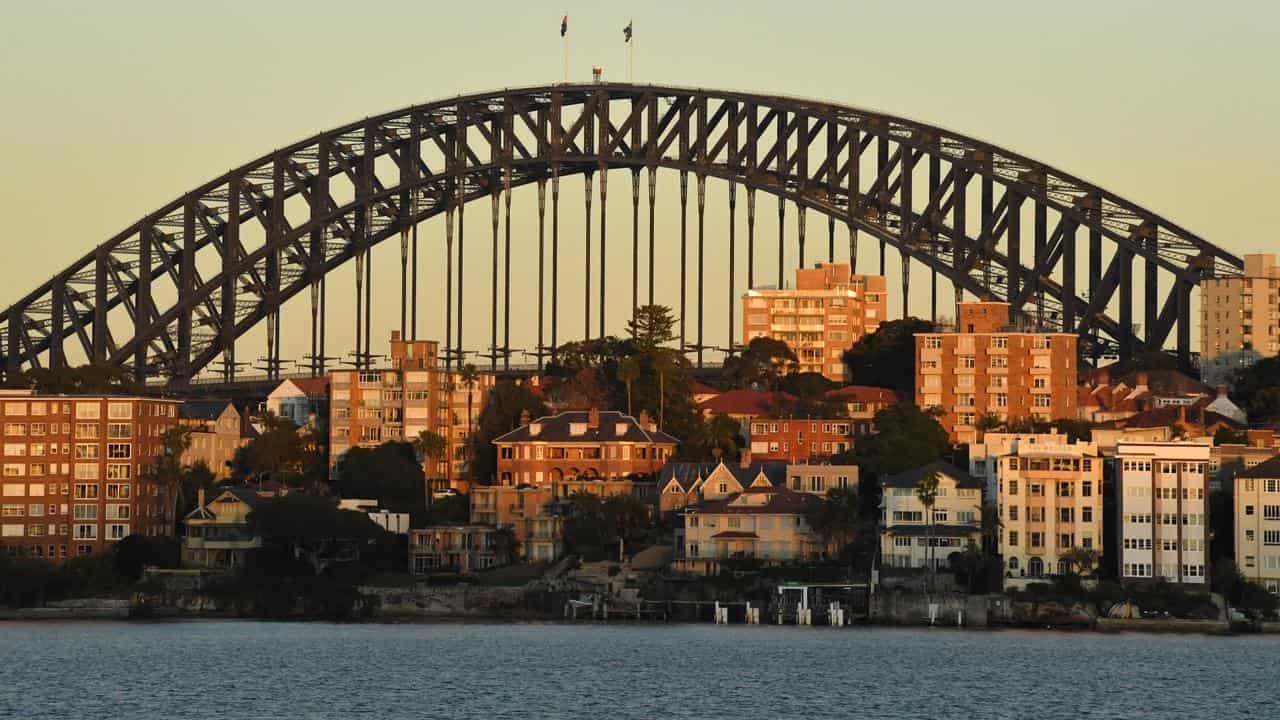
{"x":109,"y":110}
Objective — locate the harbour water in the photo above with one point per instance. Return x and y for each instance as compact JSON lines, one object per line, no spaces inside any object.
{"x":243,"y":669}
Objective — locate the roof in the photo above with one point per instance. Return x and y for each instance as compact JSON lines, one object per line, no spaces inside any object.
{"x":735,"y":535}
{"x":938,"y":530}
{"x":1169,"y":415}
{"x":863,"y":394}
{"x":745,"y":402}
{"x":779,"y":500}
{"x":701,"y":388}
{"x":311,"y":386}
{"x":1269,"y":469}
{"x":203,"y":409}
{"x":555,"y":428}
{"x":687,"y":473}
{"x":911,"y":478}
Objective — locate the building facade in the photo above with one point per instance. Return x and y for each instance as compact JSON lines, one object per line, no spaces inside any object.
{"x":990,"y":367}
{"x":216,"y":434}
{"x":862,"y":402}
{"x":799,"y":440}
{"x":1241,"y":313}
{"x":76,"y":473}
{"x":684,"y":484}
{"x":371,"y":407}
{"x":985,"y":454}
{"x":1050,"y":499}
{"x":219,"y":536}
{"x":305,"y":401}
{"x":1163,"y":511}
{"x":957,"y":517}
{"x":762,"y":521}
{"x":1256,"y":497}
{"x":459,"y":549}
{"x":825,"y":314}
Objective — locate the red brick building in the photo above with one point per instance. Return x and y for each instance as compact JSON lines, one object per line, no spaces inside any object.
{"x":595,"y":444}
{"x":75,"y":472}
{"x":799,"y":440}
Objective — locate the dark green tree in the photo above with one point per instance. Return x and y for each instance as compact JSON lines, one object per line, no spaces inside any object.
{"x":313,"y":529}
{"x":761,"y":364}
{"x":886,"y":357}
{"x":389,"y":473}
{"x":838,"y":520}
{"x":906,"y":438}
{"x":500,"y":415}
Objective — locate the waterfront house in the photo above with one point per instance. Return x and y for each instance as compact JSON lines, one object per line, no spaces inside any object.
{"x":457,"y":548}
{"x":957,"y":517}
{"x":1257,"y":523}
{"x":219,"y":535}
{"x":763,"y":521}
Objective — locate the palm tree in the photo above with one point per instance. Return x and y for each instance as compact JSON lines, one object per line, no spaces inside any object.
{"x":468,"y":375}
{"x":430,"y":445}
{"x":628,"y":372}
{"x":988,"y":422}
{"x":927,"y":494}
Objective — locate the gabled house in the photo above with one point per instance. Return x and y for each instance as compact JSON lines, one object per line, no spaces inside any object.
{"x":215,"y":433}
{"x":681,"y":484}
{"x":762,"y":521}
{"x":957,"y":517}
{"x":305,"y":401}
{"x":219,"y":535}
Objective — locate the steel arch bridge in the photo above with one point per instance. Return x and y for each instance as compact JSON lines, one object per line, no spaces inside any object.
{"x":170,"y":295}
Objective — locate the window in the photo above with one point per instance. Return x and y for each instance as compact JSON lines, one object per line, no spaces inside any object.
{"x":1271,"y":512}
{"x":1013,"y":538}
{"x":118,"y":451}
{"x":86,"y":532}
{"x":118,"y":471}
{"x":85,"y":512}
{"x":87,"y":451}
{"x":85,"y":491}
{"x":88,"y":410}
{"x":119,"y":430}
{"x":86,"y":471}
{"x":118,"y":491}
{"x":119,"y":410}
{"x":1271,"y":537}
{"x":1086,"y":514}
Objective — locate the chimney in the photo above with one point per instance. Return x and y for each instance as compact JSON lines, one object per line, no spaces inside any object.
{"x":745,"y":459}
{"x":1222,"y":391}
{"x":646,"y":422}
{"x":593,"y":418}
{"x":1182,"y":414}
{"x":200,"y":497}
{"x":1140,"y":381}
{"x":524,"y":417}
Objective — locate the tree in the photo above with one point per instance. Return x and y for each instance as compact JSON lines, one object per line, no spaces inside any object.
{"x":722,"y":432}
{"x":988,"y":422}
{"x":927,"y":494}
{"x":314,"y":530}
{"x":592,"y":524}
{"x":1226,"y":436}
{"x":762,"y":363}
{"x":651,"y":326}
{"x":468,"y":376}
{"x":92,"y":379}
{"x":430,"y":446}
{"x":280,"y":453}
{"x":389,"y":473}
{"x":886,"y":357}
{"x":1082,"y":560}
{"x":135,"y":553}
{"x":837,"y":520}
{"x":1257,"y":389}
{"x":971,"y":563}
{"x":628,"y":372}
{"x":906,"y":438}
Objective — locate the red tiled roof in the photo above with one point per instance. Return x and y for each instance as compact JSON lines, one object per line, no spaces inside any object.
{"x":312,"y":386}
{"x":781,"y":501}
{"x":863,"y":393}
{"x":701,"y":388}
{"x":745,"y":402}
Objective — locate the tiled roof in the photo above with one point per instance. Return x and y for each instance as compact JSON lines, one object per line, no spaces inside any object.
{"x":1169,"y":415}
{"x":202,"y":409}
{"x":745,"y":402}
{"x":780,"y":500}
{"x":864,"y":394}
{"x":687,"y":473}
{"x":735,"y":535}
{"x":911,"y":478}
{"x":1269,"y":469}
{"x":701,"y":388}
{"x":312,"y":386}
{"x":556,"y":428}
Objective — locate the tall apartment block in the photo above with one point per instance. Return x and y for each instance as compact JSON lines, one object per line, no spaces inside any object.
{"x":1050,"y":496}
{"x":75,"y":477}
{"x":1257,"y":526}
{"x":825,"y":314}
{"x":1241,"y":313}
{"x":1163,"y":511}
{"x":990,"y":367}
{"x":371,"y":407}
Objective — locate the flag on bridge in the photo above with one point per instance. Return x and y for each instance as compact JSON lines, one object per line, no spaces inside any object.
{"x":626,"y":32}
{"x":564,"y":26}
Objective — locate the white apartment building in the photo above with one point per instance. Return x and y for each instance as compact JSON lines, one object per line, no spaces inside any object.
{"x":957,"y":517}
{"x":1050,"y":497}
{"x":1257,"y":509}
{"x":1163,"y":510}
{"x":984,"y":455}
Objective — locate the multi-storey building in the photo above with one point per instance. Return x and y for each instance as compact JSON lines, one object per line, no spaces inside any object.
{"x":75,"y":472}
{"x":456,"y":548}
{"x":370,"y":407}
{"x":762,"y":521}
{"x":905,"y":528}
{"x":582,"y":444}
{"x":984,"y":456}
{"x":215,"y":434}
{"x":544,"y":462}
{"x":862,"y":402}
{"x":1257,"y":511}
{"x":1228,"y":460}
{"x":1050,"y":498}
{"x":1241,"y":313}
{"x":990,"y":367}
{"x":1163,"y":511}
{"x":799,"y":440}
{"x":825,"y":314}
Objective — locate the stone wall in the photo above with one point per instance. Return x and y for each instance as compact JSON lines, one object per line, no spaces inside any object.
{"x":895,"y":608}
{"x":453,"y":601}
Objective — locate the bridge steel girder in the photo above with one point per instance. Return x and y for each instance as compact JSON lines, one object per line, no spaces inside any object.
{"x":182,"y":322}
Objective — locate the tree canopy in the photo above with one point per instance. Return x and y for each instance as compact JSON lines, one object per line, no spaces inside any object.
{"x":906,"y":438}
{"x":886,"y":357}
{"x":500,"y":415}
{"x":761,"y":364}
{"x":389,"y":473}
{"x":86,"y":379}
{"x":281,"y":452}
{"x":1257,"y":389}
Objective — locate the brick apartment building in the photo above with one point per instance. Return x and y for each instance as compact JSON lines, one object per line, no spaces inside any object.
{"x":799,"y":440}
{"x":825,"y":314}
{"x":371,"y":407}
{"x":75,"y":477}
{"x":989,"y":367}
{"x":1241,"y":313}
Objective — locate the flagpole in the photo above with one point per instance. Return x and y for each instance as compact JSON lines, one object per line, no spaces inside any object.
{"x":631,"y":61}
